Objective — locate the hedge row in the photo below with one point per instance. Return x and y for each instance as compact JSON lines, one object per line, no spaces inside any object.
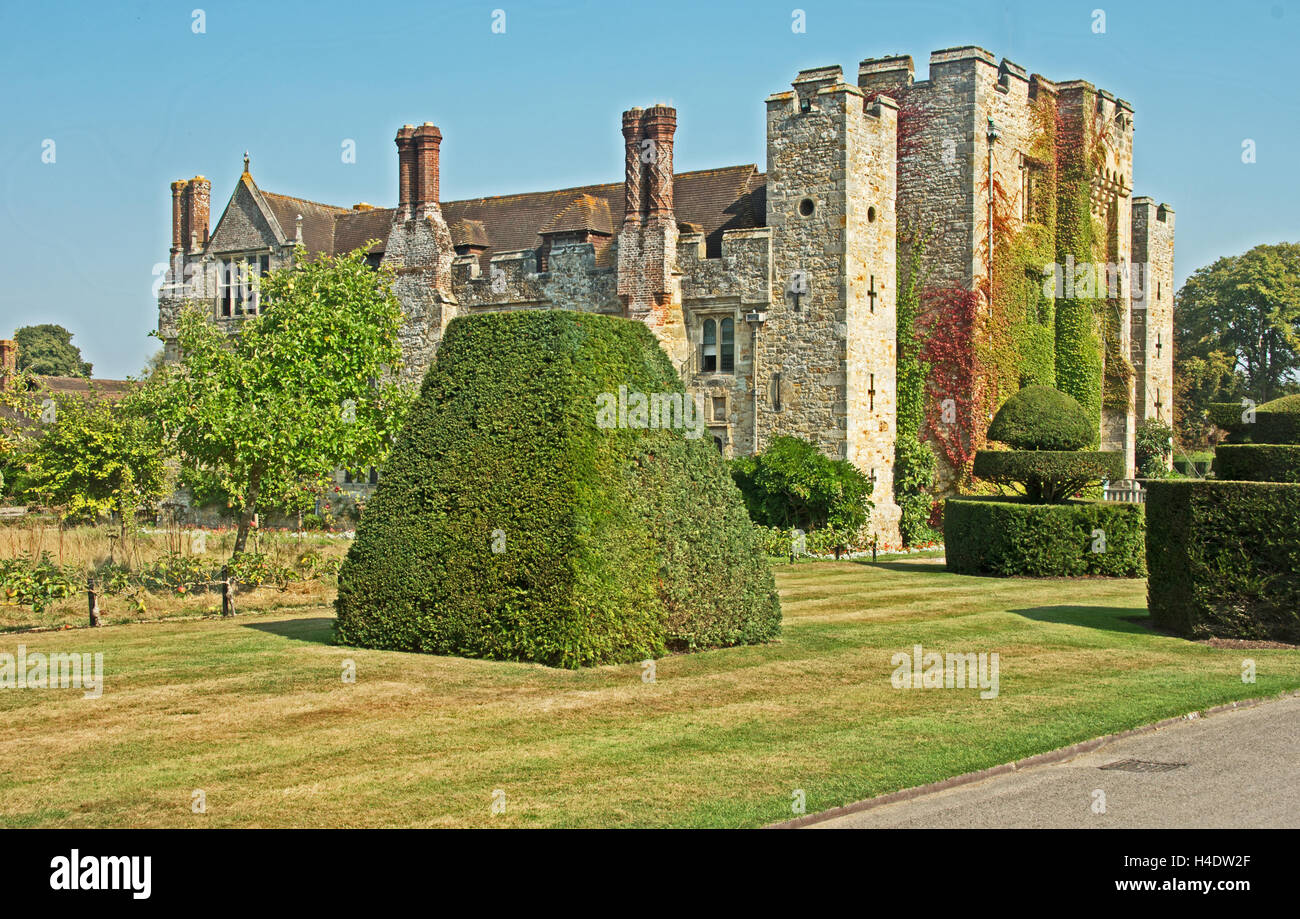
{"x":1223,"y":558}
{"x":1011,"y":538}
{"x":510,"y":524}
{"x":1257,"y":462}
{"x":1048,"y":466}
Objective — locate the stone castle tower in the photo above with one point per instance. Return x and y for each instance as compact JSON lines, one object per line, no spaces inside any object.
{"x":773,"y":292}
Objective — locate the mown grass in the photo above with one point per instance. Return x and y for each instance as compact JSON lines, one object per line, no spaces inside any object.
{"x":254,"y":712}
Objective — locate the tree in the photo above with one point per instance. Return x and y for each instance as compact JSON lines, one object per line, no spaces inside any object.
{"x":1237,"y":332}
{"x":793,"y":484}
{"x":95,"y":457}
{"x":47,"y":350}
{"x":305,"y":387}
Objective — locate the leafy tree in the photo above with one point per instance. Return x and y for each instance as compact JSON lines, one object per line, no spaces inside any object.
{"x":307,"y":386}
{"x":793,"y":484}
{"x":95,"y":457}
{"x":47,"y":350}
{"x":1237,"y":333}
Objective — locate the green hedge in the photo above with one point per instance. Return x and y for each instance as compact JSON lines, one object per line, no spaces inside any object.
{"x":1224,"y":558}
{"x":615,"y":543}
{"x":1257,"y":462}
{"x":1048,"y":474}
{"x":1278,"y":422}
{"x":1013,"y":538}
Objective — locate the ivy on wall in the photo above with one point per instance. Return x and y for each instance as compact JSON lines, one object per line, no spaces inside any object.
{"x":914,"y":461}
{"x":1078,"y":357}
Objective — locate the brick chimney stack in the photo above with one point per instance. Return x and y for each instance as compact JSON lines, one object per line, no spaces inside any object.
{"x":647,"y":243}
{"x":633,"y":173}
{"x":660,"y":124}
{"x":405,"y":167}
{"x":197,"y":203}
{"x":8,"y":361}
{"x":178,"y":216}
{"x":427,"y":139}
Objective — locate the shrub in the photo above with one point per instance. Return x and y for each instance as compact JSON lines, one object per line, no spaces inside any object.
{"x":1042,"y":418}
{"x":1258,"y":462}
{"x":793,"y":484}
{"x":1013,"y":538}
{"x":1229,"y":416}
{"x":1153,"y":447}
{"x":1048,"y":476}
{"x":1223,"y":558}
{"x":509,"y":525}
{"x":36,"y":583}
{"x":914,"y":466}
{"x":1278,"y":422}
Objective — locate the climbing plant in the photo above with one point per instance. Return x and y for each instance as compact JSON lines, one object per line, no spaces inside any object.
{"x":1078,"y":359}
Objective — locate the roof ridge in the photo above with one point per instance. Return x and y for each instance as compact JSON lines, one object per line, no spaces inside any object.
{"x":576,"y":189}
{"x":273,"y":194}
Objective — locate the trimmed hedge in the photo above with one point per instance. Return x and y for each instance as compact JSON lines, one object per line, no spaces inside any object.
{"x":1224,"y":558}
{"x":1042,"y":418}
{"x":1013,"y":538}
{"x":1257,"y":462}
{"x":1278,"y":422}
{"x":613,"y":543}
{"x":1044,"y":473}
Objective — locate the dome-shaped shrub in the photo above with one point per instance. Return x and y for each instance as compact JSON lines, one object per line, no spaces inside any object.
{"x":1042,"y":418}
{"x":1278,"y":422}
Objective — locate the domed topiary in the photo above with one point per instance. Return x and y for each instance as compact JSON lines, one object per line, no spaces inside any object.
{"x":515,"y":521}
{"x":1042,"y":418}
{"x":1278,"y":422}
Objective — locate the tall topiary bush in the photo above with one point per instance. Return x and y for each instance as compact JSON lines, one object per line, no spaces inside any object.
{"x":511,"y":524}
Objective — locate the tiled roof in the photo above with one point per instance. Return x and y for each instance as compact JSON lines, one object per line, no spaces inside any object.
{"x":318,"y":220}
{"x":584,"y":212}
{"x":354,"y":228}
{"x":716,"y":200}
{"x":112,"y":390}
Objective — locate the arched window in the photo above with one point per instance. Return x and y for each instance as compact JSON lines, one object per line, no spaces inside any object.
{"x":728,"y":345}
{"x":709,"y":349}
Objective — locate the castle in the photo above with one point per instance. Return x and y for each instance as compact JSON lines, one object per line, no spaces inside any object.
{"x":773,"y":292}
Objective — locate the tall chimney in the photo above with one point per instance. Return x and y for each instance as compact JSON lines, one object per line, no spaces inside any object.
{"x":198,"y":202}
{"x":405,"y":167}
{"x":660,"y":123}
{"x":8,"y":361}
{"x":427,"y":140}
{"x":178,"y":215}
{"x":633,"y":173}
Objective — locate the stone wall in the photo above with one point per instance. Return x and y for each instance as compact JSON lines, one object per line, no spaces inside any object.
{"x":1153,"y":309}
{"x":829,"y":165}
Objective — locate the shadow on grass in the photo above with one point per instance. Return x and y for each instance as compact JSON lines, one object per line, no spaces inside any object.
{"x":318,"y":630}
{"x":1133,"y":620}
{"x":905,"y":565}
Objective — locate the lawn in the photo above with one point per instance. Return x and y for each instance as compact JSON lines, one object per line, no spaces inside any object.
{"x":254,"y":712}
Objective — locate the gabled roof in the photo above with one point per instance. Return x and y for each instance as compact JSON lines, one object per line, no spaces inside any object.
{"x":715,"y":200}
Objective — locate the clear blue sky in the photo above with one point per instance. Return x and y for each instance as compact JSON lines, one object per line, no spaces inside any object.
{"x":133,"y":99}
